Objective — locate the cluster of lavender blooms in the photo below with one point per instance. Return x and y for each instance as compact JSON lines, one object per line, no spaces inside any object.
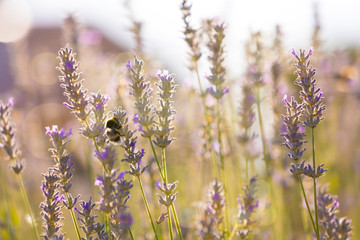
{"x":157,"y":123}
{"x":247,"y":205}
{"x":212,"y":214}
{"x":114,"y":189}
{"x":7,"y":139}
{"x":307,"y":114}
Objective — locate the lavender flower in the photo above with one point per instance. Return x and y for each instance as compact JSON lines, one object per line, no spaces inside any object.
{"x":293,"y":137}
{"x":255,"y":55}
{"x":334,"y":227}
{"x":312,"y":107}
{"x":107,"y":157}
{"x":247,"y":205}
{"x":141,"y":90}
{"x":72,"y":83}
{"x":121,"y":217}
{"x":246,"y":113}
{"x":51,"y":206}
{"x":166,"y":86}
{"x":212,"y":216}
{"x":217,"y":76}
{"x":192,"y":36}
{"x":106,"y":183}
{"x":7,"y":137}
{"x":63,"y":165}
{"x":87,"y":220}
{"x":169,"y":195}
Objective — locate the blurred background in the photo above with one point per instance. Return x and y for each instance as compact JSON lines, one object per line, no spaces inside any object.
{"x":104,"y":34}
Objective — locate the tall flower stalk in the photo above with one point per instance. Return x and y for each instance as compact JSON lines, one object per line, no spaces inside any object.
{"x":133,"y":157}
{"x":311,"y":111}
{"x":247,"y":119}
{"x":255,"y":50}
{"x":212,"y":214}
{"x":163,"y":128}
{"x":160,"y":129}
{"x":9,"y":144}
{"x":312,"y":107}
{"x":218,"y":90}
{"x":64,"y":168}
{"x":193,"y":39}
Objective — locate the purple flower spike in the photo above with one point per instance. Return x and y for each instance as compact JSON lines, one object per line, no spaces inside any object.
{"x":293,"y":52}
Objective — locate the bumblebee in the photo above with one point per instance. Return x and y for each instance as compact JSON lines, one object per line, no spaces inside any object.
{"x":113,"y":130}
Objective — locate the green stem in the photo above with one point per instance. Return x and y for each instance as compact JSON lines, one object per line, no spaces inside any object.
{"x":73,"y":218}
{"x":233,"y":231}
{"x":314,"y":179}
{"x":163,"y":157}
{"x":164,"y":165}
{"x":147,"y":208}
{"x":9,"y":223}
{"x":206,"y":115}
{"x":222,"y":169}
{"x":131,"y":234}
{"x":307,"y":204}
{"x":172,"y":205}
{"x":156,"y":158}
{"x":107,"y":225}
{"x":170,"y":224}
{"x":199,"y":82}
{"x":262,"y":131}
{"x":27,"y":204}
{"x":246,"y":158}
{"x":176,"y":221}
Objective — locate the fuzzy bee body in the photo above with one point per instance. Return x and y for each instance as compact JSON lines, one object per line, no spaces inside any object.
{"x":113,"y":130}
